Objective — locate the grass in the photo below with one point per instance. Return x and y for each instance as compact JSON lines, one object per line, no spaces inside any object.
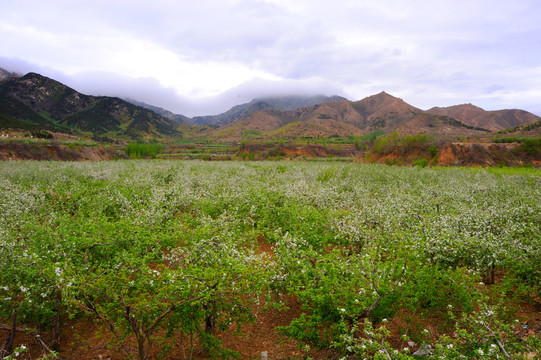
{"x":329,"y":159}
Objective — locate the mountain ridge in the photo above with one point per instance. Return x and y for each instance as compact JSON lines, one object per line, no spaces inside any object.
{"x":286,"y":102}
{"x":56,"y":106}
{"x":4,"y":74}
{"x":34,"y":101}
{"x":495,"y":120}
{"x":377,"y":113}
{"x":161,"y":111}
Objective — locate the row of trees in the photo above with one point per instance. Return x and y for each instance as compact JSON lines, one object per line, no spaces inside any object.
{"x":162,"y":252}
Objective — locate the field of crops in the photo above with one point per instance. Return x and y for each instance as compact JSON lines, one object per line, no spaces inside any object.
{"x":382,"y":260}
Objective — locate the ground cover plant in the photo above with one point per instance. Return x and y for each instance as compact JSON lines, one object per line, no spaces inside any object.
{"x":381,"y":260}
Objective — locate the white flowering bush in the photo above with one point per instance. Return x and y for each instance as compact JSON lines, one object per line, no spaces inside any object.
{"x":161,"y":251}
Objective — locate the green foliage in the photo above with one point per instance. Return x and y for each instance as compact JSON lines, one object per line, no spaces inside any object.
{"x":373,"y":344}
{"x":372,"y":136}
{"x":40,"y":134}
{"x":250,"y":134}
{"x":247,"y":156}
{"x":361,"y":142}
{"x":140,"y":150}
{"x":385,"y":144}
{"x":531,"y":146}
{"x":508,"y":139}
{"x":420,"y":163}
{"x":415,"y":140}
{"x":523,"y":128}
{"x":433,"y":151}
{"x":480,"y":335}
{"x":17,"y":115}
{"x":483,"y":334}
{"x":161,"y":252}
{"x":327,"y":175}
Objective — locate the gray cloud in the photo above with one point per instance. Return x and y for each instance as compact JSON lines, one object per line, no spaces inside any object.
{"x":430,"y":52}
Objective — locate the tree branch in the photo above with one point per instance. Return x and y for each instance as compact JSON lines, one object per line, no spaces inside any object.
{"x":498,"y":342}
{"x":385,"y":350}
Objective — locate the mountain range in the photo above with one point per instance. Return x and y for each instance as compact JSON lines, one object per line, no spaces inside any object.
{"x":491,"y":120}
{"x":34,"y":101}
{"x":378,"y":113}
{"x":161,"y":111}
{"x":277,"y":103}
{"x":322,"y":116}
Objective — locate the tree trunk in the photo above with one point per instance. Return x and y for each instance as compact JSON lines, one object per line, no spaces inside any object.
{"x":7,"y":348}
{"x":210,"y":322}
{"x":57,"y":325}
{"x":141,"y":347}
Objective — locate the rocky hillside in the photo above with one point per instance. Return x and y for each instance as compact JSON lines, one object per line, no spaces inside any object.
{"x":55,"y":151}
{"x":459,"y":154}
{"x":4,"y":74}
{"x":36,"y":101}
{"x":283,"y":103}
{"x":492,"y":120}
{"x":161,"y":111}
{"x":381,"y":112}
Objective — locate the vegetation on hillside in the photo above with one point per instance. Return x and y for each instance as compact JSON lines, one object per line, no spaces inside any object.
{"x":140,"y":150}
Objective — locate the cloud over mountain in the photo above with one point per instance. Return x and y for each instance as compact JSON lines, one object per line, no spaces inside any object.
{"x":432,"y":52}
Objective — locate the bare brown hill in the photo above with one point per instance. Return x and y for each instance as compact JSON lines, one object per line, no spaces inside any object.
{"x":283,"y":103}
{"x":381,"y":112}
{"x":57,"y":152}
{"x":492,"y":120}
{"x":383,"y":105}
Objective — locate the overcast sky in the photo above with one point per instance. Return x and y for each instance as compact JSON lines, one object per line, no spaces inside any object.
{"x":201,"y":57}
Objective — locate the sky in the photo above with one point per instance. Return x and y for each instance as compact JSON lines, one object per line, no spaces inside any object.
{"x":203,"y":57}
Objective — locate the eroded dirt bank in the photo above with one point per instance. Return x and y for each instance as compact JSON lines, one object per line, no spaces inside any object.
{"x":57,"y":151}
{"x":459,"y":154}
{"x":448,"y":154}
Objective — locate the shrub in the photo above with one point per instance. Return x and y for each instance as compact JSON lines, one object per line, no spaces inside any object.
{"x":508,"y":139}
{"x":140,"y":149}
{"x":414,"y":141}
{"x":420,"y":163}
{"x":250,"y":134}
{"x":433,"y":150}
{"x":386,"y":144}
{"x":41,"y":134}
{"x":532,"y":146}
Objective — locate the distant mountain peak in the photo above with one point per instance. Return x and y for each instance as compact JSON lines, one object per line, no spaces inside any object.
{"x":383,"y":104}
{"x":161,"y":111}
{"x":282,"y":103}
{"x":377,"y":113}
{"x":4,"y":74}
{"x":492,"y":120}
{"x":381,"y":98}
{"x":468,"y":106}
